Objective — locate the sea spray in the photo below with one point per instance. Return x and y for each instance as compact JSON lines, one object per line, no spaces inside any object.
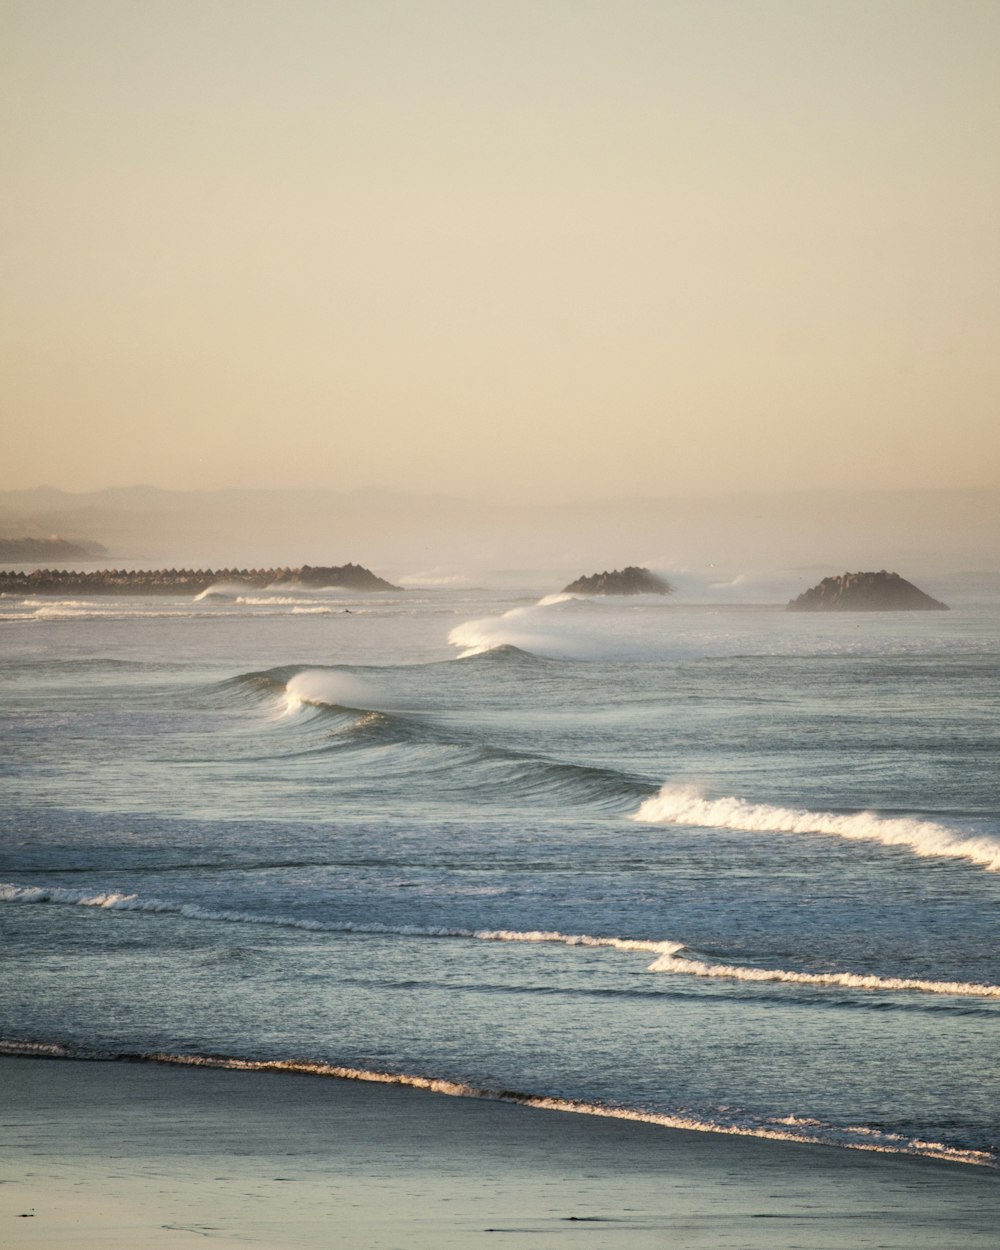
{"x":329,"y":688}
{"x":570,"y":627}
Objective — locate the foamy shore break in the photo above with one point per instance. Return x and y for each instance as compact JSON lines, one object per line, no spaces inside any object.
{"x":189,"y":581}
{"x":143,"y":1155}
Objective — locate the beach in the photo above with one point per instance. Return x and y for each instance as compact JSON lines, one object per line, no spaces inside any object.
{"x":146,"y":1155}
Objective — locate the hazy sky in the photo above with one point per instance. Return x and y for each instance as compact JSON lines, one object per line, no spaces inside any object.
{"x":499,"y":247}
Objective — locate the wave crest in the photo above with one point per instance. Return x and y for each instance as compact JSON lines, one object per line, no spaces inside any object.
{"x":685,"y":805}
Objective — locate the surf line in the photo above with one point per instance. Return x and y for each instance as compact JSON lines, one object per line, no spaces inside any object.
{"x":791,"y":1128}
{"x":668,"y":957}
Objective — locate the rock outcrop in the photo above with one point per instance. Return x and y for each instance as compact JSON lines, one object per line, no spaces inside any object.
{"x":865,"y":592}
{"x":348,"y":576}
{"x":630,"y":581}
{"x":187,"y":581}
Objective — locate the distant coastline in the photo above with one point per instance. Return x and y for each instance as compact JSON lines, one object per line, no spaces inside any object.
{"x":188,"y":581}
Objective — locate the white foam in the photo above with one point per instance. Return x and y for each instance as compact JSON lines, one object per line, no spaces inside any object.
{"x":671,"y":962}
{"x":328,"y":688}
{"x":272,"y":601}
{"x":685,"y":805}
{"x":789,"y":1128}
{"x":57,"y":603}
{"x":548,"y":601}
{"x":221,"y":590}
{"x":434,"y":579}
{"x":667,"y":952}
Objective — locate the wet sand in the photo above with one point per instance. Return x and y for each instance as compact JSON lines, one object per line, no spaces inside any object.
{"x":96,"y":1154}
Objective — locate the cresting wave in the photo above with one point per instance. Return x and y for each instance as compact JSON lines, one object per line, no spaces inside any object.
{"x":685,"y":805}
{"x":358,"y":712}
{"x":667,"y":957}
{"x":568,"y":627}
{"x":789,"y":1128}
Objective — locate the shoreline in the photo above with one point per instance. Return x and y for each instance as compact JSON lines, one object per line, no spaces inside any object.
{"x":141,"y":1154}
{"x":788,"y":1130}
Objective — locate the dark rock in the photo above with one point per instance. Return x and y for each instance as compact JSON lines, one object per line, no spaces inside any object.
{"x":351,"y":576}
{"x":865,"y":592}
{"x":630,"y":581}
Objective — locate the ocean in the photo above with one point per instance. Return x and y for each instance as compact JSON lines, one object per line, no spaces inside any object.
{"x":721,"y":867}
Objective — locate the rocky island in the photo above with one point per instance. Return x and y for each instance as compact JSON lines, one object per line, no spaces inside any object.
{"x":630,"y":581}
{"x":188,"y":581}
{"x":865,"y":592}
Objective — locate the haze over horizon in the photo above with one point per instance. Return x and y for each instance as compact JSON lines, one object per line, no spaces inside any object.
{"x":520,"y":252}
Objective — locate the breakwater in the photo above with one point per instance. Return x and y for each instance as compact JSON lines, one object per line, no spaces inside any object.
{"x":187,"y":581}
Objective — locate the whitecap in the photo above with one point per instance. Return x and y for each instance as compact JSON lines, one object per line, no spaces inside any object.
{"x":685,"y":805}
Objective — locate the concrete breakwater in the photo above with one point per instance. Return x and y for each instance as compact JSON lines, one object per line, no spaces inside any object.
{"x":188,"y":581}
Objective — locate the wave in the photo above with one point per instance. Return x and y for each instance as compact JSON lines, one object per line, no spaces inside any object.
{"x":115,"y":900}
{"x":330,"y":688}
{"x":798,"y":1129}
{"x":337,"y":709}
{"x":299,"y":606}
{"x":568,"y":627}
{"x":685,"y":805}
{"x":122,"y":610}
{"x":221,"y":590}
{"x":671,"y":962}
{"x":57,"y":603}
{"x":667,"y":953}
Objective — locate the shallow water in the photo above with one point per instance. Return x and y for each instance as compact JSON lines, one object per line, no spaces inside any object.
{"x":723,"y":866}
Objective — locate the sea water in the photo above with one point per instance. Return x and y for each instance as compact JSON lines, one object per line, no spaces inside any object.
{"x":724,"y":867}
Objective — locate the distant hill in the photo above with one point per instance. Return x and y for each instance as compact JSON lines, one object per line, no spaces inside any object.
{"x":25,"y":550}
{"x":716,"y":537}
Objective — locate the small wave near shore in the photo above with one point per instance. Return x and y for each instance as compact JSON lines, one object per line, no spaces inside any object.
{"x":796,"y":1129}
{"x":668,"y":953}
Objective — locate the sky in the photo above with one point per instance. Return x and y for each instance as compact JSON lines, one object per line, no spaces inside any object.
{"x":512,"y":250}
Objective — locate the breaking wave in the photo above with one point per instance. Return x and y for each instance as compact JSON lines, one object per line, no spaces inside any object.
{"x":685,"y":805}
{"x":565,"y":627}
{"x":670,"y":961}
{"x":667,"y":953}
{"x":336,"y":709}
{"x":787,"y":1128}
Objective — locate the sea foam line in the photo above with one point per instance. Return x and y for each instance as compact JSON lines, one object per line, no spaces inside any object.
{"x":667,"y":958}
{"x":685,"y":805}
{"x":789,"y":1128}
{"x":117,"y":901}
{"x":669,"y":962}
